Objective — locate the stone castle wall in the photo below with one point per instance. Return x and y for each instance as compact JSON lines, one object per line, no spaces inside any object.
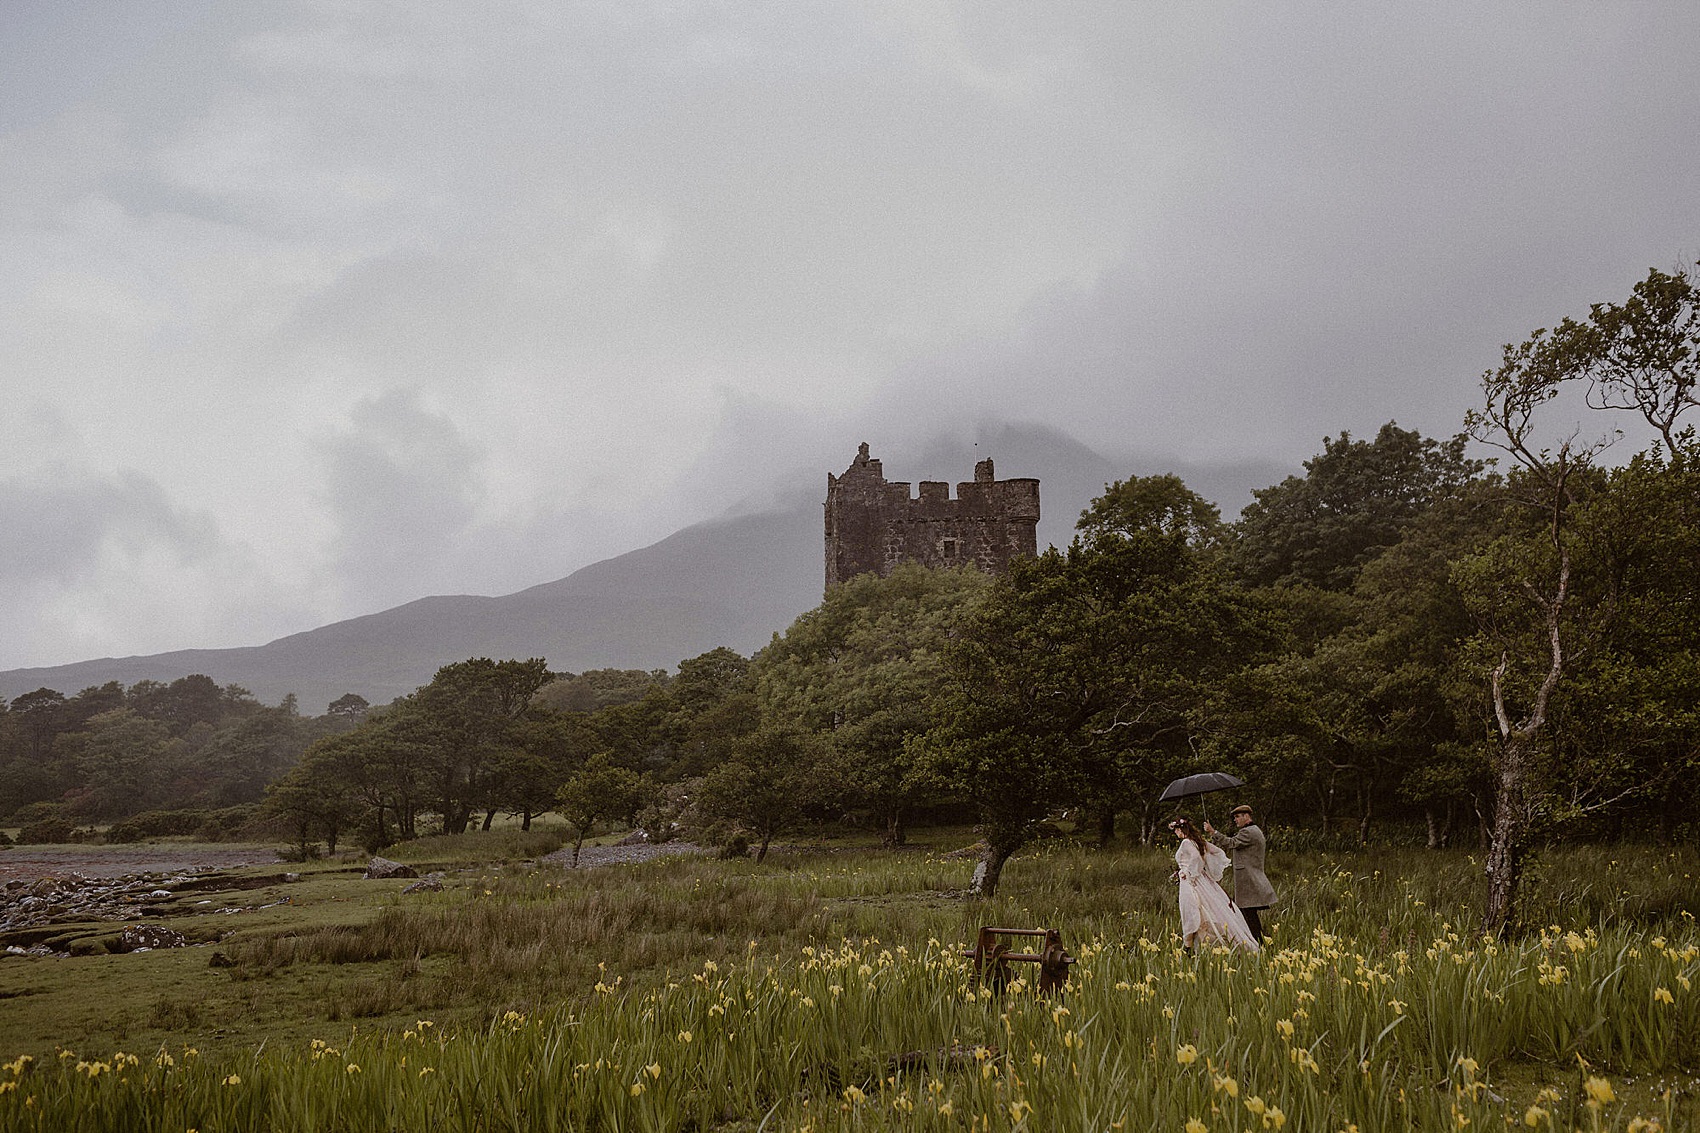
{"x":872,"y":524}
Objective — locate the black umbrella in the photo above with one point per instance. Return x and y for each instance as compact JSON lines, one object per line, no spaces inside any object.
{"x":1201,"y":784}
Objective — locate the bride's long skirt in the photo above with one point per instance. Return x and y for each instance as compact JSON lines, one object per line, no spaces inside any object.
{"x":1207,"y":910}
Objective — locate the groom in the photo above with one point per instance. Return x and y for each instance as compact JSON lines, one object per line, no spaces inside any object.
{"x":1252,"y":891}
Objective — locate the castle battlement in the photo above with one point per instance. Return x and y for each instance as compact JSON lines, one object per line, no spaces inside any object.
{"x":873,"y":524}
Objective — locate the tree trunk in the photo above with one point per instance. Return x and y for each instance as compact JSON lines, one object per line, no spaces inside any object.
{"x":1508,"y":837}
{"x":1106,"y":826}
{"x":761,"y":853}
{"x":1433,"y":841}
{"x":577,"y":842}
{"x":525,"y":822}
{"x":489,"y":817}
{"x":1364,"y":820}
{"x":896,"y":832}
{"x":990,"y":869}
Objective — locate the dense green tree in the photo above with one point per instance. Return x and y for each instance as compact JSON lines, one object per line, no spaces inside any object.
{"x":1546,"y":593}
{"x":469,"y":709}
{"x":702,"y":712}
{"x":321,"y":795}
{"x":91,"y":702}
{"x":249,"y":751}
{"x":1626,"y":720}
{"x":379,"y":776}
{"x":41,"y":716}
{"x":1348,"y":722}
{"x":350,"y":706}
{"x":1024,"y":679}
{"x":29,"y":730}
{"x":859,"y":670}
{"x":765,"y":786}
{"x":635,"y":734}
{"x":1354,"y":501}
{"x":1176,"y":537}
{"x":596,"y":689}
{"x":394,"y":765}
{"x":709,"y":678}
{"x":188,"y":701}
{"x":126,"y":763}
{"x":523,"y":782}
{"x":1160,"y":504}
{"x":596,"y":792}
{"x":1083,"y":672}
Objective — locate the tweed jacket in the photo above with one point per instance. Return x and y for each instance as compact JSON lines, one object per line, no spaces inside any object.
{"x":1251,"y":887}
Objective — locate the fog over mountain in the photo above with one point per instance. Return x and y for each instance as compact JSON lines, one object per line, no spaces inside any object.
{"x":310,"y":309}
{"x":734,"y":581}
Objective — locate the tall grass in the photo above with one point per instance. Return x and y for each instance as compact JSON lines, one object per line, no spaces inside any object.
{"x":828,"y":993}
{"x":504,"y":843}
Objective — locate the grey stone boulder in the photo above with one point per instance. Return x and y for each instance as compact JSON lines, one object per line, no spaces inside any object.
{"x":430,"y":883}
{"x":380,"y":868}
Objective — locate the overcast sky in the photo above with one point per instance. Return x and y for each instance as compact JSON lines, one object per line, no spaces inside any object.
{"x":312,"y":308}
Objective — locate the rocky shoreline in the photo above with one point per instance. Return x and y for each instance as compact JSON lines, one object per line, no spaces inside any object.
{"x":62,"y":916}
{"x":65,"y":902}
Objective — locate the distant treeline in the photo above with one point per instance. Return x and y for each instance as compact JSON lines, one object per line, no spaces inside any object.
{"x":1504,"y":653}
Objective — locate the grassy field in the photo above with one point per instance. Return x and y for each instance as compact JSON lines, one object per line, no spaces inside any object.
{"x":825,"y":990}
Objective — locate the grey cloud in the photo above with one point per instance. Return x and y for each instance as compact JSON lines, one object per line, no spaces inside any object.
{"x":59,"y":524}
{"x":1360,"y":214}
{"x":92,"y":561}
{"x":637,"y":260}
{"x":403,"y":485}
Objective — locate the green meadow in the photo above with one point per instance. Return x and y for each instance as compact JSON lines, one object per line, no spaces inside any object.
{"x":825,"y":989}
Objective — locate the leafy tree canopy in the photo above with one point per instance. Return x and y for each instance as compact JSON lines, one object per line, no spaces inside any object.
{"x":1354,"y":501}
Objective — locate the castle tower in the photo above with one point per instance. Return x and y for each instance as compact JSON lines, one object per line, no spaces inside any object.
{"x":872,"y":524}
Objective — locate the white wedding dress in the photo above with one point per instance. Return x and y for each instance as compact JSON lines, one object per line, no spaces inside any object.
{"x":1205,"y":908}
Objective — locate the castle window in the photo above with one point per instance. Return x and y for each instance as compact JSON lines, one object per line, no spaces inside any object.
{"x":951,"y":548}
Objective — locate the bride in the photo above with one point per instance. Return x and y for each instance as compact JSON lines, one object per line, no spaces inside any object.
{"x":1207,"y":915}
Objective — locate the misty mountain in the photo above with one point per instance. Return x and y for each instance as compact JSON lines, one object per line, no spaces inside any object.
{"x":734,"y":581}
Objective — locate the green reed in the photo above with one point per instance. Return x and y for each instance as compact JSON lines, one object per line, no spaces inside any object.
{"x":829,"y":993}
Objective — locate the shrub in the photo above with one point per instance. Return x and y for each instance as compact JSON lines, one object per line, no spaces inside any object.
{"x":227,"y":824}
{"x":34,"y":812}
{"x":662,"y":818}
{"x":207,"y":825}
{"x":154,"y":824}
{"x":55,"y":830}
